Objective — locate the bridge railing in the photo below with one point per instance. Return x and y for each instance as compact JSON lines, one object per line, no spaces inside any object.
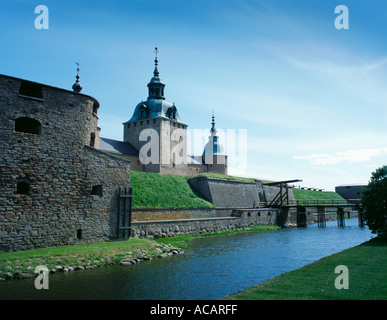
{"x":323,"y":202}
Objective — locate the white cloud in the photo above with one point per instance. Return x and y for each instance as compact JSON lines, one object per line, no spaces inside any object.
{"x":350,"y":156}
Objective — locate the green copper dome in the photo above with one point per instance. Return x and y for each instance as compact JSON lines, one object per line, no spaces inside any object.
{"x":155,"y":106}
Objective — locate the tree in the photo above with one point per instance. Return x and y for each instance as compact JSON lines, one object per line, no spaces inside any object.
{"x":374,"y":201}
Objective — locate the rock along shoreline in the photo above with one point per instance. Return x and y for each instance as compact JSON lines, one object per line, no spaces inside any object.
{"x":130,"y":258}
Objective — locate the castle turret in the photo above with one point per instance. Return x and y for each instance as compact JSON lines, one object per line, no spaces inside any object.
{"x":213,"y":155}
{"x":77,"y":87}
{"x":162,"y":117}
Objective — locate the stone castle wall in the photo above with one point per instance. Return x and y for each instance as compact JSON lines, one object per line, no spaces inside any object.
{"x":55,"y":189}
{"x":235,"y":194}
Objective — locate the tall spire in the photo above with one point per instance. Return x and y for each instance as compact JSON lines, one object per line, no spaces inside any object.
{"x":156,"y":72}
{"x":77,"y":87}
{"x":213,"y":147}
{"x":156,"y":85}
{"x":213,"y":130}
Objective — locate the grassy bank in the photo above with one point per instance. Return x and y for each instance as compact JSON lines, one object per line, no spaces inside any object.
{"x":79,"y":256}
{"x":100,"y":254}
{"x":367,"y":265}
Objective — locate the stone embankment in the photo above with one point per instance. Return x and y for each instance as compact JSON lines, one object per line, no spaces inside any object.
{"x":163,"y":252}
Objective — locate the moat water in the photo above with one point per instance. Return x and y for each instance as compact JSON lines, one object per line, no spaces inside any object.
{"x":210,"y":268}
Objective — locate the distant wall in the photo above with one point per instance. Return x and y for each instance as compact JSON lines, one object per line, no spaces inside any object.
{"x":227,"y":193}
{"x":350,"y":192}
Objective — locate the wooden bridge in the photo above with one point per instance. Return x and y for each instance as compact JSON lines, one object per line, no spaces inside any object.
{"x":281,"y":200}
{"x":321,"y":205}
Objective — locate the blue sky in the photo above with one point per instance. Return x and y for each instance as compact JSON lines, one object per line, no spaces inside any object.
{"x":311,"y":97}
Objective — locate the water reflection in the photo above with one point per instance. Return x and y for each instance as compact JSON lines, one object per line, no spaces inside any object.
{"x":210,"y":268}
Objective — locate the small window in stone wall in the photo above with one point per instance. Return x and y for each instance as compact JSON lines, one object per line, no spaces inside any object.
{"x":23,"y":187}
{"x":95,"y":108}
{"x":79,"y":234}
{"x":31,"y":89}
{"x":92,"y":139}
{"x":28,"y":125}
{"x":97,"y":191}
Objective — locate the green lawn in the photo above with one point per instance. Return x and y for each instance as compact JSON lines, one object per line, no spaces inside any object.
{"x":367,"y":266}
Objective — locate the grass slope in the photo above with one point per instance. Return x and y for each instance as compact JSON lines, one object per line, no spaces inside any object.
{"x":303,"y":194}
{"x":154,"y":190}
{"x":367,"y":266}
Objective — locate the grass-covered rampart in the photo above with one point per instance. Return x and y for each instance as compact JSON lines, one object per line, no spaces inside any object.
{"x":303,"y":194}
{"x":160,"y":191}
{"x":153,"y":190}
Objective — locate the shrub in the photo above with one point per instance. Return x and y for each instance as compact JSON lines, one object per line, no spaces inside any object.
{"x":374,"y":201}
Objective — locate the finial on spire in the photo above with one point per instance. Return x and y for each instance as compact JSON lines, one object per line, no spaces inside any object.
{"x":77,"y":64}
{"x":77,"y":87}
{"x":156,"y":72}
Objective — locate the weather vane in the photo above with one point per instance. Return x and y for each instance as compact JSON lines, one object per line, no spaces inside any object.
{"x":77,"y":64}
{"x":77,"y":87}
{"x":156,"y":52}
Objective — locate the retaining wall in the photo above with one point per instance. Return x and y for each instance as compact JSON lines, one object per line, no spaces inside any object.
{"x":179,"y":213}
{"x":237,"y":219}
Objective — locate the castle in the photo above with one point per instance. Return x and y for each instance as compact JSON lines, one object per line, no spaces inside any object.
{"x":60,"y":183}
{"x":159,"y":120}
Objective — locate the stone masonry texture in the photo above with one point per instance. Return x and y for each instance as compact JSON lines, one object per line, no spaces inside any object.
{"x":72,"y":188}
